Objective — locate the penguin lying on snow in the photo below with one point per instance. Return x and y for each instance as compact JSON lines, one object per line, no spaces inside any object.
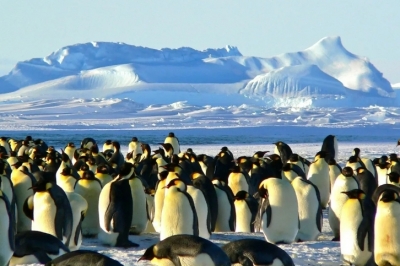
{"x":83,"y":257}
{"x":36,"y":247}
{"x":186,"y":250}
{"x":249,"y":252}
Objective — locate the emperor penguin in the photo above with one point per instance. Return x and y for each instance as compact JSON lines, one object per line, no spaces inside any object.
{"x":226,"y":207}
{"x":50,"y":210}
{"x":79,"y":207}
{"x":186,"y":250}
{"x":382,"y":167}
{"x":299,"y":161}
{"x":87,"y":143}
{"x":66,"y":180}
{"x":22,"y":182}
{"x":246,"y":210}
{"x":237,"y":181}
{"x":159,"y":197}
{"x":134,"y":147}
{"x":70,"y":151}
{"x":277,"y":216}
{"x":35,"y":247}
{"x":89,"y":187}
{"x":344,"y":182}
{"x":139,"y":205}
{"x":354,"y":163}
{"x":291,"y":171}
{"x":83,"y":257}
{"x":174,"y":141}
{"x":5,"y":144}
{"x":357,"y":228}
{"x":310,"y":210}
{"x":387,"y":231}
{"x":108,"y":145}
{"x":169,"y":150}
{"x":394,"y":163}
{"x":318,"y":174}
{"x":330,"y":147}
{"x":115,"y":210}
{"x":256,"y":252}
{"x":366,"y":181}
{"x":283,"y":150}
{"x":367,"y":163}
{"x":203,"y":183}
{"x":202,"y":211}
{"x":178,"y":213}
{"x":103,"y":174}
{"x":7,"y":239}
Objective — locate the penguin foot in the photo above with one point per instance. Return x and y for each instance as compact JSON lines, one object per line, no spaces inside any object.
{"x":336,"y":238}
{"x":127,"y":244}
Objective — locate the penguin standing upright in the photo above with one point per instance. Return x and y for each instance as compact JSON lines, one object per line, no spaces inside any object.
{"x":330,"y":147}
{"x":246,"y":210}
{"x":387,"y":233}
{"x":108,"y":145}
{"x":179,"y":213}
{"x":174,"y":141}
{"x":89,"y":188}
{"x":226,"y":208}
{"x":7,"y":239}
{"x":79,"y":207}
{"x":256,"y":252}
{"x":366,"y":181}
{"x":50,"y":210}
{"x":356,"y":228}
{"x":70,"y":151}
{"x":277,"y":215}
{"x":22,"y":181}
{"x":186,"y":250}
{"x":66,"y":180}
{"x":202,"y":211}
{"x":134,"y":147}
{"x":318,"y":174}
{"x":139,"y":212}
{"x":283,"y":150}
{"x":382,"y":167}
{"x":115,"y":210}
{"x":237,"y":180}
{"x":344,"y":182}
{"x":310,"y":210}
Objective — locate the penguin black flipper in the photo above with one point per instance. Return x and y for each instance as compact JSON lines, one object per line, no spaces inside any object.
{"x":27,"y":210}
{"x":264,"y":207}
{"x":362,"y":231}
{"x":78,"y":230}
{"x":63,"y":219}
{"x":252,"y":203}
{"x":42,"y":257}
{"x":195,"y":218}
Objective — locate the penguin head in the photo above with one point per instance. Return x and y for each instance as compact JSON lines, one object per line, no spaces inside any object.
{"x":127,"y":170}
{"x":42,"y":185}
{"x":102,"y":169}
{"x":332,"y":161}
{"x":388,"y":195}
{"x":347,"y":171}
{"x":116,"y":146}
{"x":383,"y":162}
{"x":94,"y":149}
{"x":171,"y":135}
{"x":108,"y":142}
{"x":167,"y":147}
{"x":235,"y":169}
{"x":64,"y":156}
{"x":394,"y":177}
{"x":176,"y":182}
{"x":241,"y":195}
{"x":84,"y":168}
{"x":355,"y":194}
{"x":134,"y":139}
{"x":67,"y":171}
{"x":353,"y":159}
{"x":189,"y":150}
{"x":393,"y":157}
{"x":320,"y":154}
{"x":89,"y":175}
{"x":71,"y":145}
{"x":145,"y":147}
{"x":287,"y":167}
{"x":356,"y":152}
{"x":149,"y":254}
{"x":293,"y":158}
{"x":260,"y":154}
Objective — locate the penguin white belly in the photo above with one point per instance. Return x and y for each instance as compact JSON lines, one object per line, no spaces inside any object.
{"x":351,"y":217}
{"x":199,"y":260}
{"x":319,"y":175}
{"x":139,"y":217}
{"x":237,"y":182}
{"x":90,"y":190}
{"x":337,"y":201}
{"x":150,"y":213}
{"x":382,"y":175}
{"x":5,"y":249}
{"x":67,"y":183}
{"x":201,"y":207}
{"x":31,"y":259}
{"x":224,"y":212}
{"x":44,"y":213}
{"x":22,"y":192}
{"x":158,"y":205}
{"x":387,"y":234}
{"x":162,"y":262}
{"x":308,"y":205}
{"x":174,"y":142}
{"x":369,"y":165}
{"x":334,"y":172}
{"x":284,"y":209}
{"x":176,"y":216}
{"x":243,"y":217}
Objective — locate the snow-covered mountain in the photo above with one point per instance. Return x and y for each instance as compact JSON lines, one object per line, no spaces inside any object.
{"x":326,"y":71}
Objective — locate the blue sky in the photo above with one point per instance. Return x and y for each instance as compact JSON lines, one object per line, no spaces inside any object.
{"x":259,"y":28}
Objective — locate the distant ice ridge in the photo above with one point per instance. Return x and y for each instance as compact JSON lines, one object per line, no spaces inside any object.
{"x":325,"y":74}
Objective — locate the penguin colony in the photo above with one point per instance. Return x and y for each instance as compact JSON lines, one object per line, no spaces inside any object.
{"x":50,"y":200}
